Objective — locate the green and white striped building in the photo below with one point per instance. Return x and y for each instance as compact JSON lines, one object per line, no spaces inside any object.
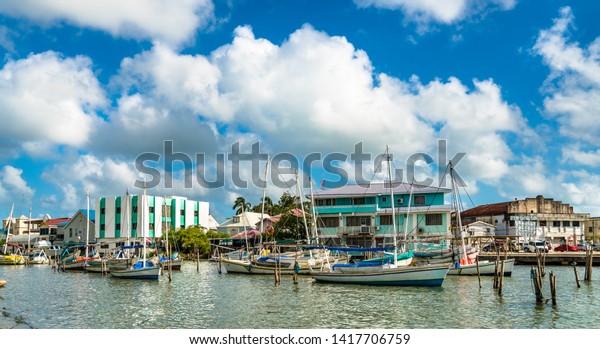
{"x":117,"y":217}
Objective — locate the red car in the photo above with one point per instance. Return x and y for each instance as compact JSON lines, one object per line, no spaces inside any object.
{"x":563,"y":248}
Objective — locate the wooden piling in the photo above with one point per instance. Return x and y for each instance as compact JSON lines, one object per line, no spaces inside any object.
{"x":170,"y":263}
{"x":220,"y":268}
{"x":576,"y":276}
{"x":537,"y":286}
{"x":501,"y":278}
{"x":197,"y":261}
{"x":588,"y":264}
{"x":478,"y":274}
{"x":553,"y":287}
{"x":496,"y":268}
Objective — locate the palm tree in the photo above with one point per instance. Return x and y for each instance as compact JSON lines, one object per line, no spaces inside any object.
{"x":241,"y":205}
{"x":268,"y":206}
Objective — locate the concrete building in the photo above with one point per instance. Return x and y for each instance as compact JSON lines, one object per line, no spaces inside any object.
{"x":536,"y":218}
{"x":22,"y":225}
{"x":356,"y":215}
{"x":118,"y":216}
{"x":49,"y":230}
{"x":591,"y":228}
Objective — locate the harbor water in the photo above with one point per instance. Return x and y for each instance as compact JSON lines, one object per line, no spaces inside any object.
{"x":204,"y":299}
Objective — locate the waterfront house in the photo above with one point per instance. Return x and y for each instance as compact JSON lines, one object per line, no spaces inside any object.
{"x":591,"y":228}
{"x":23,"y":225}
{"x":241,"y":222}
{"x":361,"y":215}
{"x":536,"y":218}
{"x":76,"y":228}
{"x":49,"y":230}
{"x":118,"y":217}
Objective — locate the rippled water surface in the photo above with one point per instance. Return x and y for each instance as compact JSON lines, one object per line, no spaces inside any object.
{"x":206,"y":299}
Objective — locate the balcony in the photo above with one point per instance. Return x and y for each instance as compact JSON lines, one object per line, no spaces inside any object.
{"x":362,"y":230}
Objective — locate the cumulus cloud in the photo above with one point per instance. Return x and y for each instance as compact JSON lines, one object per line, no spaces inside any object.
{"x":14,"y":188}
{"x":48,"y":100}
{"x":573,"y":86}
{"x":446,"y":12}
{"x":318,"y":93}
{"x":171,"y":22}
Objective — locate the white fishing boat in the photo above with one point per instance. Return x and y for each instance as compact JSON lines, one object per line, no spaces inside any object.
{"x":38,"y":257}
{"x":143,"y":269}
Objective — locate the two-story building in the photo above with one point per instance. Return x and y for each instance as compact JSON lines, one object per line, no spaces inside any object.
{"x":361,"y":215}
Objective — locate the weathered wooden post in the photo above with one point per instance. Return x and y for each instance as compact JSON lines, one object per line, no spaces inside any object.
{"x":501,"y":278}
{"x":553,"y":287}
{"x":576,"y":275}
{"x":539,"y":297}
{"x":197,"y":261}
{"x":478,"y":274}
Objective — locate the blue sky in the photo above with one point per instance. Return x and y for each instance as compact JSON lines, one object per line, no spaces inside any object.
{"x":87,"y":87}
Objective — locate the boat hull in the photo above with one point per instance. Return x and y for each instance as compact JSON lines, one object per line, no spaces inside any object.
{"x":175,"y":264}
{"x":12,"y":260}
{"x":486,"y":268}
{"x":148,"y":273}
{"x":246,"y":267}
{"x":433,"y":275}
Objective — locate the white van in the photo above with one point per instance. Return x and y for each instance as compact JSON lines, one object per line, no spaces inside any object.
{"x":533,"y":246}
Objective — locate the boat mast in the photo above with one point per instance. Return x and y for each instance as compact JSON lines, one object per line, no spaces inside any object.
{"x":300,"y":195}
{"x":457,"y":211}
{"x":314,"y":212}
{"x":87,"y":229}
{"x":29,"y":231}
{"x":262,"y":212}
{"x":407,"y":215}
{"x":387,"y":150}
{"x":143,"y":225}
{"x":10,"y":218}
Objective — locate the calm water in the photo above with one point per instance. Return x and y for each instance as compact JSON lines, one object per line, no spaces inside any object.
{"x":205,"y":299}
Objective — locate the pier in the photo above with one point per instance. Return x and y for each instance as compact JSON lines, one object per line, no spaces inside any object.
{"x":551,"y":258}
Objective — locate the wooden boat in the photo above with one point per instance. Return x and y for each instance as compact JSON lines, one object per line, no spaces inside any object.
{"x":2,"y":283}
{"x":485,"y":268}
{"x":389,"y":275}
{"x":375,"y":264}
{"x":38,"y":257}
{"x":175,"y":263}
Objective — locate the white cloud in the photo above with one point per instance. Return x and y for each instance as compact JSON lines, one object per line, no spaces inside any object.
{"x":14,"y":188}
{"x":48,"y":100}
{"x":447,"y":11}
{"x":171,"y":22}
{"x":573,"y":86}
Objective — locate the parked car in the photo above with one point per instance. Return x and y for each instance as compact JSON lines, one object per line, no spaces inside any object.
{"x":582,"y":247}
{"x":596,"y":247}
{"x":563,"y":248}
{"x":533,"y":246}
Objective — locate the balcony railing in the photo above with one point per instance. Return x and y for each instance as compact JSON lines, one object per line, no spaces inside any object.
{"x":362,"y":230}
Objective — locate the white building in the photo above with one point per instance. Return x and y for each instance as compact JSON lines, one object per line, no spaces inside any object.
{"x":241,"y":222}
{"x":117,"y":217}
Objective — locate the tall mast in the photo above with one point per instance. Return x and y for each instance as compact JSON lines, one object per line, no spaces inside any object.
{"x":302,"y":208}
{"x":457,"y":212}
{"x":389,"y":158}
{"x":314,"y":211}
{"x":407,"y":215}
{"x":29,"y":231}
{"x":87,"y":228}
{"x":143,"y":225}
{"x":10,"y":218}
{"x":262,"y":213}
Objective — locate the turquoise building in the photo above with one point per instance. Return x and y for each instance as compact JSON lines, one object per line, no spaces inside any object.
{"x":361,"y":215}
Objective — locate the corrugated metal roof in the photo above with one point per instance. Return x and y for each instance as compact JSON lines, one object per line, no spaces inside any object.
{"x":487,"y":210}
{"x":378,"y":189}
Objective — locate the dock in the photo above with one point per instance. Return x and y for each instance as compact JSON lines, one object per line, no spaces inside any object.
{"x":552,"y":258}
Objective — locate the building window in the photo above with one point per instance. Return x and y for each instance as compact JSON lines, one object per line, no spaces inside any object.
{"x":399,"y":201}
{"x":590,"y":229}
{"x":134,"y":209}
{"x":325,"y":202}
{"x":433,"y":219}
{"x":134,"y":226}
{"x":566,"y":223}
{"x":542,"y":223}
{"x":357,"y":201}
{"x":118,"y":226}
{"x":419,"y":199}
{"x":556,"y":223}
{"x":357,"y":221}
{"x":384,"y":199}
{"x":182,"y":226}
{"x":182,"y":212}
{"x":385,"y":219}
{"x":236,"y":219}
{"x":511,"y":223}
{"x":102,"y":227}
{"x":328,"y":222}
{"x":195,"y":213}
{"x":102,"y":210}
{"x":575,"y":223}
{"x":118,"y":210}
{"x":150,"y":209}
{"x":151,"y":226}
{"x":167,"y":210}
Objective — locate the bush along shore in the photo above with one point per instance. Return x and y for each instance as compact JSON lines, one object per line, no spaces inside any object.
{"x":10,"y":321}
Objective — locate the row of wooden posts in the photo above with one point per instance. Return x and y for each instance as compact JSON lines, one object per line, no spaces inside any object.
{"x":538,"y":272}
